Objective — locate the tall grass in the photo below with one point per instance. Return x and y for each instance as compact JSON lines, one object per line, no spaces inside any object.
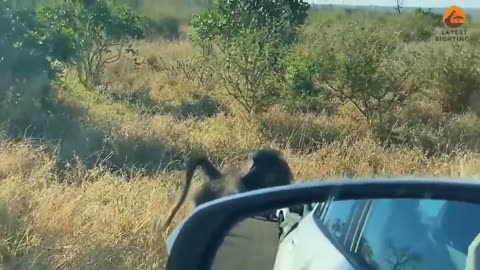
{"x":88,"y":189}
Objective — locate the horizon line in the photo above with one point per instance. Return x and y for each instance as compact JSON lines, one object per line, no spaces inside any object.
{"x":391,"y":6}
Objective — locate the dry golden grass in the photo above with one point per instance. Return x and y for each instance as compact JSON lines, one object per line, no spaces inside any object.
{"x":96,"y":219}
{"x":109,"y":223}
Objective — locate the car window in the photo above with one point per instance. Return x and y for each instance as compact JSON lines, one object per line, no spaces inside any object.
{"x":319,"y":208}
{"x":429,"y":211}
{"x":336,"y":218}
{"x":455,"y":215}
{"x":397,"y":236}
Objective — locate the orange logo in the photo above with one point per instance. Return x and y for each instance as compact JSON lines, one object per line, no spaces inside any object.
{"x":454,"y":17}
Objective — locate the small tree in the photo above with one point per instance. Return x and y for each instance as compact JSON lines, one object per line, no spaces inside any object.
{"x":228,"y":18}
{"x":27,"y":67}
{"x":457,"y":76}
{"x":246,"y":41}
{"x":92,"y":35}
{"x":25,"y":60}
{"x":373,"y":72}
{"x":248,"y":70}
{"x":365,"y":66}
{"x":309,"y":62}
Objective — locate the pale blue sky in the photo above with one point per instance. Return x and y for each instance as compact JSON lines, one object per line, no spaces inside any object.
{"x":407,"y":3}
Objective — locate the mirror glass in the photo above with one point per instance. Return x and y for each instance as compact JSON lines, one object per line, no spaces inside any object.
{"x":377,"y":234}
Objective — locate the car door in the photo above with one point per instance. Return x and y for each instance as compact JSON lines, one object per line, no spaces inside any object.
{"x":323,"y":238}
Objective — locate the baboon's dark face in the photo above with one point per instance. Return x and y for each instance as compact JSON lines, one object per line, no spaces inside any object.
{"x":267,"y":169}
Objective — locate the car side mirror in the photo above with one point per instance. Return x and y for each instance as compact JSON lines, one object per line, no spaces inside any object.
{"x":344,"y":224}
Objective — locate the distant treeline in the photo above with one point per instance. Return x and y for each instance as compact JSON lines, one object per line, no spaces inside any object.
{"x":154,"y":9}
{"x":473,"y":12}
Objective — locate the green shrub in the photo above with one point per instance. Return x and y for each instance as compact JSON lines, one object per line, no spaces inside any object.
{"x":418,"y":26}
{"x":227,"y":19}
{"x":91,"y":33}
{"x":456,"y":74}
{"x":367,"y":66}
{"x":26,"y":65}
{"x":245,"y":42}
{"x":309,"y":62}
{"x":416,"y":30}
{"x":248,"y":72}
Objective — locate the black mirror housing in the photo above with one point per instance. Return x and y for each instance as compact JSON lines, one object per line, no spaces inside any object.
{"x":193,"y":244}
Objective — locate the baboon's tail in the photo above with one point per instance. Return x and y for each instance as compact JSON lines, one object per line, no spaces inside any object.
{"x":191,"y":165}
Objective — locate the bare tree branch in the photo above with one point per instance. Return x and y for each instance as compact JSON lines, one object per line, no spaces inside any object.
{"x":399,"y":5}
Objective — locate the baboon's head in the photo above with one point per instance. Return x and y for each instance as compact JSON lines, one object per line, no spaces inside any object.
{"x":267,"y":168}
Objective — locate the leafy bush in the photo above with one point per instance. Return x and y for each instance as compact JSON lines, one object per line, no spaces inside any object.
{"x":373,"y":72}
{"x":92,"y":35}
{"x":25,"y":64}
{"x":247,"y":70}
{"x":228,"y":19}
{"x":457,"y":76}
{"x":366,"y":66}
{"x":418,"y":26}
{"x":246,"y":41}
{"x":308,"y":63}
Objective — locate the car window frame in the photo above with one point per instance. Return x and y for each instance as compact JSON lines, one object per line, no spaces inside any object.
{"x":320,"y":211}
{"x":355,"y":258}
{"x":355,"y":224}
{"x":362,"y":221}
{"x":353,"y":221}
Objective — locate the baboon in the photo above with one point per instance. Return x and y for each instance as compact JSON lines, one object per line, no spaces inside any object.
{"x":266,"y":168}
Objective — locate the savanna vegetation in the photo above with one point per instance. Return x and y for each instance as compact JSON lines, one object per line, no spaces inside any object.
{"x":100,"y":101}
